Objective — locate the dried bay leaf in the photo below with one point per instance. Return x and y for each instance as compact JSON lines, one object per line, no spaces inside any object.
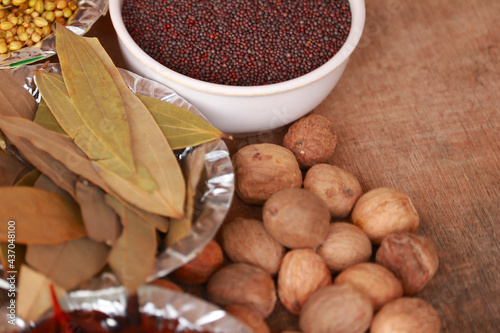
{"x":46,"y":149}
{"x":12,"y":259}
{"x":63,"y":154}
{"x":195,"y":166}
{"x":154,"y":202}
{"x":159,"y":222}
{"x":86,"y":138}
{"x":193,"y":169}
{"x":11,"y":170}
{"x":33,"y":294}
{"x":151,"y":202}
{"x":94,"y":95}
{"x":149,"y":145}
{"x":181,"y":127}
{"x":41,"y":217}
{"x":45,"y":183}
{"x":65,"y":178}
{"x":179,"y":228}
{"x":58,"y":146}
{"x":40,"y":159}
{"x":71,"y":263}
{"x":46,"y":164}
{"x":14,"y":99}
{"x":46,"y":119}
{"x":101,"y":221}
{"x":133,"y":255}
{"x":152,"y":149}
{"x":29,"y":179}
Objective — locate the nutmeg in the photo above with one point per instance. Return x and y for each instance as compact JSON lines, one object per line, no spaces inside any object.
{"x":336,"y":309}
{"x":297,"y":218}
{"x":243,"y":284}
{"x":263,"y":169}
{"x":312,"y":139}
{"x":412,"y":258}
{"x":406,"y":315}
{"x":248,"y":316}
{"x":247,"y":241}
{"x":336,"y":187}
{"x":204,"y":264}
{"x":375,"y":281}
{"x":383,"y":211}
{"x":302,"y":272}
{"x":345,"y":245}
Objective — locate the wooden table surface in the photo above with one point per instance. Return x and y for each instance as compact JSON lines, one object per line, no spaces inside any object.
{"x":418,"y":109}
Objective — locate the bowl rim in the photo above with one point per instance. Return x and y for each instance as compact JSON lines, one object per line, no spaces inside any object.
{"x":357,"y":24}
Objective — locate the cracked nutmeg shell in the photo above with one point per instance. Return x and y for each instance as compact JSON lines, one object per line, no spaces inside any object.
{"x":411,"y":257}
{"x":264,"y":169}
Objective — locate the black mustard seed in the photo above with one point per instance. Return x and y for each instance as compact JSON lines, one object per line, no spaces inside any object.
{"x":239,"y":42}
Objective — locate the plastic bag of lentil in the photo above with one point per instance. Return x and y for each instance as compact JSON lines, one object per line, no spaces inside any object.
{"x":215,"y":192}
{"x":81,"y":20}
{"x":179,"y":312}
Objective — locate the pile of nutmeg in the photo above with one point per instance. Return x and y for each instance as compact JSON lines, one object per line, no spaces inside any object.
{"x":356,"y":273}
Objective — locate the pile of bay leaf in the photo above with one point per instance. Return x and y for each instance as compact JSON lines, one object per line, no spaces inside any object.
{"x":89,"y":175}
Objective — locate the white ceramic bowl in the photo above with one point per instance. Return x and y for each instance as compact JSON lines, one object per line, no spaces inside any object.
{"x":248,"y":109}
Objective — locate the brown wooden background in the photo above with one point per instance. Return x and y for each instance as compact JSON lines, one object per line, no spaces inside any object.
{"x":418,"y":109}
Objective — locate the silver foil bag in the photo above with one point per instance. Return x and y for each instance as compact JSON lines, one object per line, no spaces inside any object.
{"x":216,"y":193}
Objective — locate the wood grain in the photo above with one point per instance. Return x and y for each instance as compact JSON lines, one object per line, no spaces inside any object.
{"x":418,"y":109}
